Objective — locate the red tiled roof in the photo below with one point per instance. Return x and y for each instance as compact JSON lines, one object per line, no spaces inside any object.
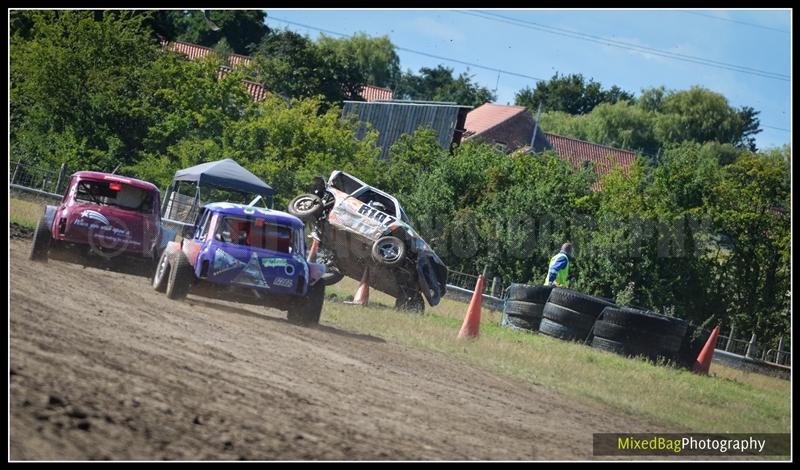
{"x":602,"y":157}
{"x":195,"y":51}
{"x":257,"y":92}
{"x":487,"y":116}
{"x":374,"y":93}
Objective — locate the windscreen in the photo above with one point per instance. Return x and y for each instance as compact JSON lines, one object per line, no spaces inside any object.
{"x":111,"y":193}
{"x":256,"y":233}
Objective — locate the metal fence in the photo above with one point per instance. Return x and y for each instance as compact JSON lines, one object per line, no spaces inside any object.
{"x":493,"y":287}
{"x":775,"y":354}
{"x":38,"y":177}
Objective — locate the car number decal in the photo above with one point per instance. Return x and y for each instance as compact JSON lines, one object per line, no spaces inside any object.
{"x":380,"y":217}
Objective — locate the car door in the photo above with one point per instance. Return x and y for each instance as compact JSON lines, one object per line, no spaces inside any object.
{"x":360,"y":216}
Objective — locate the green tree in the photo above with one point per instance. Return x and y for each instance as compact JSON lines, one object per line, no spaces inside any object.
{"x":241,"y":29}
{"x":293,"y":65}
{"x":79,"y":87}
{"x":700,"y":115}
{"x":570,"y":94}
{"x":438,"y":84}
{"x":750,"y":210}
{"x":375,"y":57}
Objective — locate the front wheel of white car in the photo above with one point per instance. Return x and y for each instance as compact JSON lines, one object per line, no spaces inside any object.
{"x":389,"y":251}
{"x":306,"y":207}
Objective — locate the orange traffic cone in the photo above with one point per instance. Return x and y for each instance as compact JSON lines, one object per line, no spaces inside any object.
{"x":472,"y":320}
{"x":312,"y":252}
{"x":703,"y":362}
{"x":362,"y":293}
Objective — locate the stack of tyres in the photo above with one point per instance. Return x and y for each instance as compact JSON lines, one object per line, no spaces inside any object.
{"x":524,"y":305}
{"x":571,"y":315}
{"x":691,"y":345}
{"x":633,"y":332}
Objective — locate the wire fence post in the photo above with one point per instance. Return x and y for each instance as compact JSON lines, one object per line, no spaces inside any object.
{"x":730,"y":337}
{"x":61,"y":173}
{"x":751,"y":347}
{"x":779,"y":356}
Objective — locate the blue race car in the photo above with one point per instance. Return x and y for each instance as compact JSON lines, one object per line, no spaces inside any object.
{"x":244,"y":254}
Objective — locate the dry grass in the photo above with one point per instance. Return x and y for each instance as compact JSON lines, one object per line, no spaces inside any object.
{"x":728,"y":401}
{"x":25,"y":213}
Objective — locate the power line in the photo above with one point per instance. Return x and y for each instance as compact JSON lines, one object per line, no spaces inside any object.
{"x":776,"y":128}
{"x":736,"y":21}
{"x":624,"y":45}
{"x":405,"y":49}
{"x":507,"y":72}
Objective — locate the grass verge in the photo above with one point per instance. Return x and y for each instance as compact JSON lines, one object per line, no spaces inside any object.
{"x":729,"y":400}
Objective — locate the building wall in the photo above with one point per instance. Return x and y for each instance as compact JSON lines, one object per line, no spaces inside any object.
{"x":512,"y":133}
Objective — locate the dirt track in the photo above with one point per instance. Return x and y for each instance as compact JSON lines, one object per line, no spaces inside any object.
{"x":102,"y":367}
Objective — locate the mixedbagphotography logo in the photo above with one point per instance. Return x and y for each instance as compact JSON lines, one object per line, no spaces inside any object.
{"x":690,"y":444}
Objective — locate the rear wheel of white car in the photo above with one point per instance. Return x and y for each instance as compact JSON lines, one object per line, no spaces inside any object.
{"x":389,"y":251}
{"x":161,"y":275}
{"x":410,"y":302}
{"x":41,"y":241}
{"x":180,"y":276}
{"x":306,"y":207}
{"x":307,"y":310}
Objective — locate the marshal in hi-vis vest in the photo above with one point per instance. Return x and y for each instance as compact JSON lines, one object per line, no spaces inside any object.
{"x":558,"y":270}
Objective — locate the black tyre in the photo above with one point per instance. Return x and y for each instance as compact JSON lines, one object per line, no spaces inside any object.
{"x":41,"y":241}
{"x":306,"y":311}
{"x":557,"y":330}
{"x":646,"y":321}
{"x":306,"y":207}
{"x":331,"y":277}
{"x":180,"y":277}
{"x":529,"y":293}
{"x":609,"y":345}
{"x":389,"y":251}
{"x":410,"y":302}
{"x":161,"y":276}
{"x":583,"y":303}
{"x":523,"y":309}
{"x":691,"y":345}
{"x":578,"y":321}
{"x":521,"y":323}
{"x":658,"y":343}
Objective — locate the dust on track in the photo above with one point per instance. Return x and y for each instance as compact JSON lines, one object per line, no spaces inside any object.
{"x":103,"y":367}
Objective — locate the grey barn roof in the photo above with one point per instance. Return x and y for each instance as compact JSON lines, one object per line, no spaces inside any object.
{"x":396,"y":117}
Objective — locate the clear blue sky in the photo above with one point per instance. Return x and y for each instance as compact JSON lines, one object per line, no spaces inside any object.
{"x":758,"y":40}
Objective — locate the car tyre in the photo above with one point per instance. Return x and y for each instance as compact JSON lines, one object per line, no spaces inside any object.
{"x":180,"y":276}
{"x":161,"y":276}
{"x":305,"y":311}
{"x":389,"y":251}
{"x":41,"y":241}
{"x":306,"y":207}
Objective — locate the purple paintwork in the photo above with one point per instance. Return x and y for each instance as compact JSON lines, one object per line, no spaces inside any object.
{"x":224,"y":263}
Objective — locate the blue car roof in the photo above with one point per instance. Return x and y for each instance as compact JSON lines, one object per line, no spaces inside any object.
{"x":243,"y":210}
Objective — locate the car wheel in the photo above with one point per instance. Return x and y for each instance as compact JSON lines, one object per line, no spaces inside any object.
{"x":161,"y":275}
{"x":306,"y":311}
{"x":306,"y":207}
{"x":180,"y":276}
{"x":389,"y":251}
{"x":41,"y":241}
{"x":412,"y":302}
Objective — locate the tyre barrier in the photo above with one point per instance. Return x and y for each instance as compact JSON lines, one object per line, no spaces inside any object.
{"x":633,"y":332}
{"x":529,"y":293}
{"x":522,"y":315}
{"x":571,"y":315}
